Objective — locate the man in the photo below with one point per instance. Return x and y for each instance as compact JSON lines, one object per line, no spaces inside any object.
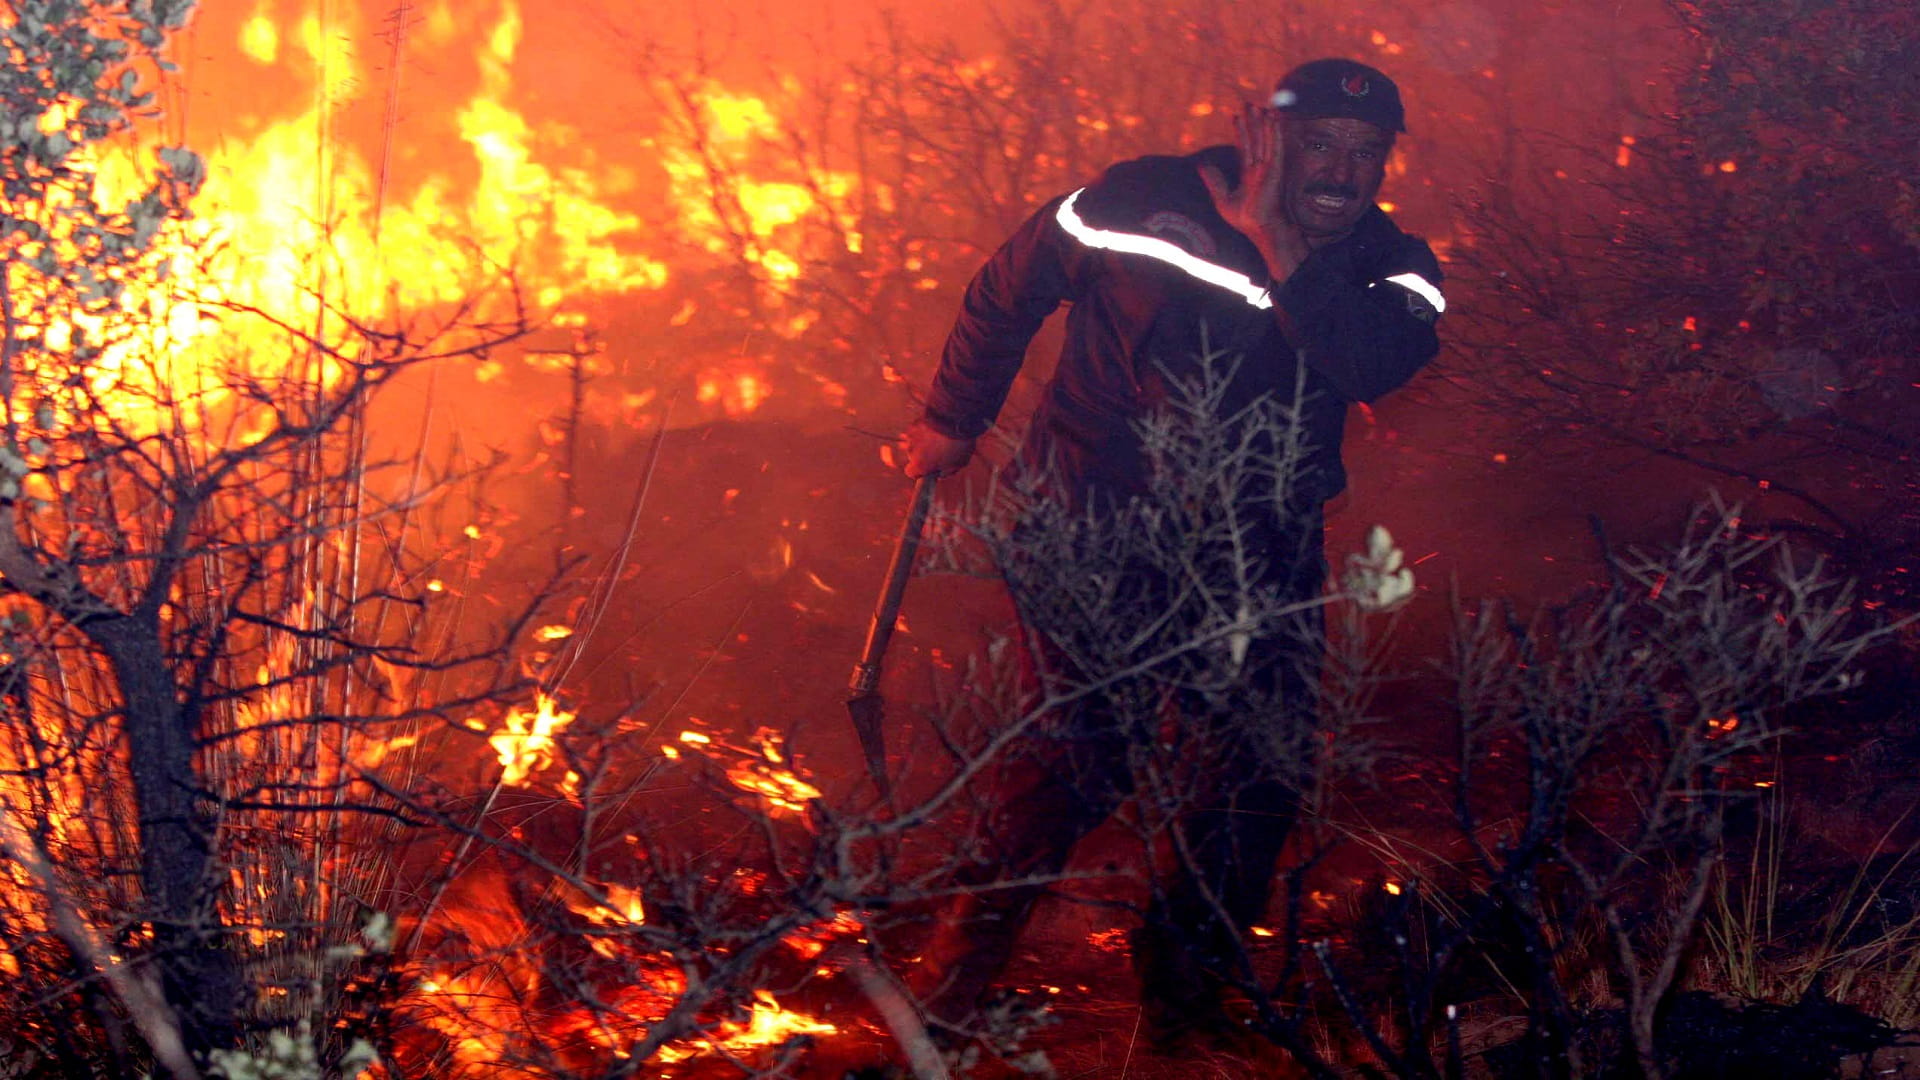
{"x":1270,"y":252}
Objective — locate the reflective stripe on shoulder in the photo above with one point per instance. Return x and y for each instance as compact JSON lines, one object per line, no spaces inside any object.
{"x":1422,"y":288}
{"x":1155,"y":248}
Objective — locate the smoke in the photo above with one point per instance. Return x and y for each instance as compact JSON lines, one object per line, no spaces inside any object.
{"x":675,"y":188}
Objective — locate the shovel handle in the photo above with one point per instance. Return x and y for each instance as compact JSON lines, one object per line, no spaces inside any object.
{"x":866,"y":673}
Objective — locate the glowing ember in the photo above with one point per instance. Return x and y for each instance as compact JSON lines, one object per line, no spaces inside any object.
{"x":781,"y":788}
{"x":813,"y":941}
{"x":768,"y":777}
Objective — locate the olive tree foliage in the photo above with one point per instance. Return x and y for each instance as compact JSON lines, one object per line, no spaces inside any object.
{"x":205,"y":598}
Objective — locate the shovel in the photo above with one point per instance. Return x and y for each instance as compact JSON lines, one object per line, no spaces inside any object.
{"x":864,"y":705}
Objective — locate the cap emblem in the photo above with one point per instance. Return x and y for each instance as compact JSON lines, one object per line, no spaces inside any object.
{"x":1355,"y":86}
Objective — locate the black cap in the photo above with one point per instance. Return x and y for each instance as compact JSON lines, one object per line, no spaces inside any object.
{"x":1341,"y":88}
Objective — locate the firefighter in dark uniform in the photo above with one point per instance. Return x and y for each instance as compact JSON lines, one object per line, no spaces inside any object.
{"x":1271,"y":251}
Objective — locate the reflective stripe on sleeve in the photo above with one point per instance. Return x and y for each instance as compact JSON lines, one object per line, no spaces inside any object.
{"x":1422,"y":288}
{"x":1172,"y":254}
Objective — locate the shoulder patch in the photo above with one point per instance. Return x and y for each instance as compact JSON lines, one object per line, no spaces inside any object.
{"x":1178,"y":228}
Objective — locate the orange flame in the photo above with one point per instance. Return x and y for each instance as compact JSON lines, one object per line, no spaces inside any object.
{"x":622,"y":906}
{"x":282,"y":201}
{"x":768,"y":1024}
{"x":526,"y":745}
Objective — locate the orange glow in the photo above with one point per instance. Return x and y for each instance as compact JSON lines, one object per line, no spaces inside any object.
{"x":476,"y":1006}
{"x":760,"y":224}
{"x":260,"y":40}
{"x":737,"y":394}
{"x":376,"y":751}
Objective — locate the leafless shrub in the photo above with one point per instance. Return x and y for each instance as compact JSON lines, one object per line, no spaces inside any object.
{"x":1601,"y":746}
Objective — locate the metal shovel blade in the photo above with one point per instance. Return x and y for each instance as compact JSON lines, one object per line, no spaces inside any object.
{"x":865,"y":707}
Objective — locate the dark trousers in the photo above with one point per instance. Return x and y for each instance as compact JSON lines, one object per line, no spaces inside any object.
{"x":1226,"y":765}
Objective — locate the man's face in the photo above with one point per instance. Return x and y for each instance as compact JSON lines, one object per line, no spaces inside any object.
{"x":1332,"y":172}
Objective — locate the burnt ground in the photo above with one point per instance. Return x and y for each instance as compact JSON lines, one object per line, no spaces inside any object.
{"x":745,"y":597}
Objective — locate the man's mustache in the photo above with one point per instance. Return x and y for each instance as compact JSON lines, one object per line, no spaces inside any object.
{"x":1333,"y":189}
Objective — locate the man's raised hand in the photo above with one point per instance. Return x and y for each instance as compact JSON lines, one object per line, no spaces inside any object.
{"x":1257,"y":207}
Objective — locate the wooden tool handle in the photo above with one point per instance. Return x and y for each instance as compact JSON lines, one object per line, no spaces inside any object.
{"x":866,"y":674}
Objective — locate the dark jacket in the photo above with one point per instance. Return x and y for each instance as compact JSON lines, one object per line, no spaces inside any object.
{"x":1156,"y":278}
